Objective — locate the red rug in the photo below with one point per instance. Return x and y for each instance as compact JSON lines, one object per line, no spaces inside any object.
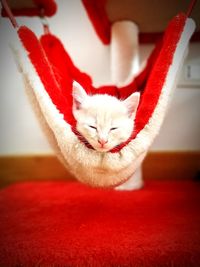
{"x":69,"y":224}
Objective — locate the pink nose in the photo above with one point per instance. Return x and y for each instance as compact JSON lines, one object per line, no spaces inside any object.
{"x":102,"y":142}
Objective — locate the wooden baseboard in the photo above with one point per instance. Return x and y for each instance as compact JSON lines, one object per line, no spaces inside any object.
{"x":157,"y":165}
{"x":172,"y":165}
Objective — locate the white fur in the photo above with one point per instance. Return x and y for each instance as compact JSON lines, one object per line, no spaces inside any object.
{"x":103,"y":120}
{"x":90,"y":166}
{"x":135,"y":182}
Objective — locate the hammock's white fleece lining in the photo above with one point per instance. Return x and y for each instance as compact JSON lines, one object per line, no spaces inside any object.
{"x":90,"y":166}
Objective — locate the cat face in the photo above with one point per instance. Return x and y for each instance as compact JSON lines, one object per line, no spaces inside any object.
{"x":103,"y":120}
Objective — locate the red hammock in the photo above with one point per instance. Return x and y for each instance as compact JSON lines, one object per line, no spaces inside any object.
{"x":54,"y":73}
{"x":57,"y":72}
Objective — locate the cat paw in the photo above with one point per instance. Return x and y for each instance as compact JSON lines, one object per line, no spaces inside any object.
{"x":130,"y":186}
{"x":135,"y":182}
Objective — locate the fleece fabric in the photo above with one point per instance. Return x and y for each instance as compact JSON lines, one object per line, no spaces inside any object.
{"x":70,"y":224}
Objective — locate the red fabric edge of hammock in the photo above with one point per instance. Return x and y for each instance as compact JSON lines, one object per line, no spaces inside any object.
{"x":160,"y":69}
{"x":154,"y":86}
{"x":64,"y":69}
{"x":45,"y":72}
{"x":97,"y":14}
{"x":147,"y":82}
{"x":48,"y":8}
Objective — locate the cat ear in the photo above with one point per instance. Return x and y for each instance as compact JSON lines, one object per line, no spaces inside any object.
{"x":132,"y":103}
{"x":79,"y":95}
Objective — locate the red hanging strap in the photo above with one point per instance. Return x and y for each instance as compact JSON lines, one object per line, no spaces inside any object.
{"x":44,"y":22}
{"x":190,"y":8}
{"x":14,"y":22}
{"x":9,"y":13}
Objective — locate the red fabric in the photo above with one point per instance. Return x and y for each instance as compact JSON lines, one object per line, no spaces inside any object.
{"x":46,"y":73}
{"x":151,"y":81}
{"x":97,"y":14}
{"x":65,"y":72}
{"x":49,"y":8}
{"x":56,"y":71}
{"x":69,"y":224}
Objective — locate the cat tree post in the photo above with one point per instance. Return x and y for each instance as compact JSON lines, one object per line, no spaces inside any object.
{"x":124,"y":52}
{"x":124,"y":67}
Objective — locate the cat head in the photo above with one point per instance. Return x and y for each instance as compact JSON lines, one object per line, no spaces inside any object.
{"x":103,"y":120}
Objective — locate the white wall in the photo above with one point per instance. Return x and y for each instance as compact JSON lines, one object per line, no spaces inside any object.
{"x":19,"y":129}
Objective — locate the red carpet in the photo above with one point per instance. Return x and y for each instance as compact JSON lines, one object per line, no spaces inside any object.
{"x":69,"y":224}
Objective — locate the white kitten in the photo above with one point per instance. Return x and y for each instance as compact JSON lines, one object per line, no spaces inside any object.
{"x":103,"y":120}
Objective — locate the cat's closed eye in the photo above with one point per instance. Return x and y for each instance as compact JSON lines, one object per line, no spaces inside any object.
{"x":93,"y":127}
{"x":113,"y":128}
